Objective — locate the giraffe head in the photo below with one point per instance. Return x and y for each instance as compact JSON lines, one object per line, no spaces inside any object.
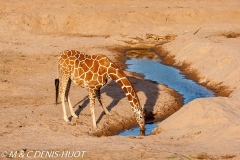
{"x":140,"y":117}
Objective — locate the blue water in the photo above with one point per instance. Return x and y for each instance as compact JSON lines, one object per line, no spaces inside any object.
{"x":170,"y":76}
{"x":136,"y":130}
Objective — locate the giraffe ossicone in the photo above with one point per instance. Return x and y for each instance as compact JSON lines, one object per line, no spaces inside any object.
{"x":92,"y":72}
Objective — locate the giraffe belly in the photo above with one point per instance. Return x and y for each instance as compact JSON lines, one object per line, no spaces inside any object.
{"x":78,"y":82}
{"x":88,"y":84}
{"x":95,"y":84}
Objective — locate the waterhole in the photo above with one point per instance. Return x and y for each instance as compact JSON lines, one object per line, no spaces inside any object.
{"x":148,"y":64}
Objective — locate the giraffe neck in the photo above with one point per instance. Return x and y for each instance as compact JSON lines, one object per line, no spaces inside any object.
{"x":121,"y":79}
{"x":118,"y":76}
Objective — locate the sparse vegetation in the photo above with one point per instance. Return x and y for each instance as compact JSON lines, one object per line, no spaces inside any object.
{"x":172,"y":157}
{"x":205,"y":156}
{"x":231,"y":35}
{"x":228,"y":156}
{"x":22,"y":55}
{"x":177,"y":155}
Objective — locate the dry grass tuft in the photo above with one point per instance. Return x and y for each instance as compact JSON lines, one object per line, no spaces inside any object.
{"x":228,"y":156}
{"x":230,"y":35}
{"x":205,"y":156}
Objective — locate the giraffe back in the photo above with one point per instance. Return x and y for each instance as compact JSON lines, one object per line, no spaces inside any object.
{"x":85,"y":70}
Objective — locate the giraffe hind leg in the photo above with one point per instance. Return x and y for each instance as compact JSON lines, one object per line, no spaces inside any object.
{"x":68,"y":99}
{"x":100,"y":101}
{"x":57,"y":90}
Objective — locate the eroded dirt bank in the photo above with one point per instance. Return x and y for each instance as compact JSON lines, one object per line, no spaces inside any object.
{"x":33,"y":33}
{"x":208,"y":119}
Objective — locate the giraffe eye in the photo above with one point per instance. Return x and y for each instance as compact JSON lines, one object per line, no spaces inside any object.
{"x":140,"y":116}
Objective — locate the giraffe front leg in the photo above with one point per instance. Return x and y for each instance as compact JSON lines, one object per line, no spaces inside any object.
{"x":100,"y":101}
{"x":64,"y":111}
{"x":71,"y":108}
{"x":68,"y":99}
{"x":92,"y":93}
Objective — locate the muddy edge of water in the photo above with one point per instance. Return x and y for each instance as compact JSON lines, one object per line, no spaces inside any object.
{"x":119,"y":123}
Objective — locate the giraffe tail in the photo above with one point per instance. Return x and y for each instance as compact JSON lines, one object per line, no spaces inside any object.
{"x":57,"y":89}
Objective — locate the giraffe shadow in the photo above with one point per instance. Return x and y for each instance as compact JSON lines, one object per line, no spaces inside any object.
{"x":85,"y":103}
{"x":113,"y":90}
{"x":149,"y":88}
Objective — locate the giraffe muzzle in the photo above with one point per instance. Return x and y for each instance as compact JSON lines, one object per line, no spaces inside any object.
{"x":142,"y":132}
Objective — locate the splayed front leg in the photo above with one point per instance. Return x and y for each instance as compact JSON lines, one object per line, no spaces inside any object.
{"x":92,"y":93}
{"x":64,"y":110}
{"x":68,"y":99}
{"x":71,"y":109}
{"x":93,"y":117}
{"x":100,"y":101}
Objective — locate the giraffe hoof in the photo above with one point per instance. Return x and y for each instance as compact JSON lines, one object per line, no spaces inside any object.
{"x":75,"y":116}
{"x":142,"y":132}
{"x":66,"y":119}
{"x":113,"y":113}
{"x":109,"y":114}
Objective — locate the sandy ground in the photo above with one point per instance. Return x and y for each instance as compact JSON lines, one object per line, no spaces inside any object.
{"x":204,"y":35}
